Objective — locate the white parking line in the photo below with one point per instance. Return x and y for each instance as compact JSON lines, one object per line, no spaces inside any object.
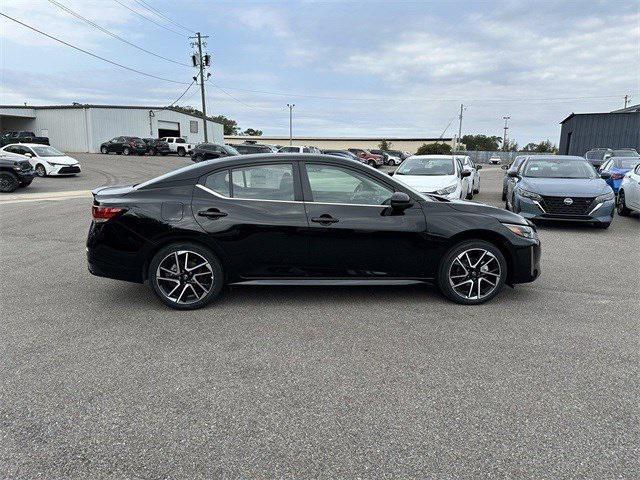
{"x":44,"y":197}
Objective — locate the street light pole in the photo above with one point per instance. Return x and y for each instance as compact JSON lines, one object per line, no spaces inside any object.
{"x":291,"y":105}
{"x":506,"y":127}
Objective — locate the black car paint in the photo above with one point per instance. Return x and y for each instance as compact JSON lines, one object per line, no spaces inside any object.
{"x":276,"y":240}
{"x":119,"y":144}
{"x":209,"y":151}
{"x":18,"y":168}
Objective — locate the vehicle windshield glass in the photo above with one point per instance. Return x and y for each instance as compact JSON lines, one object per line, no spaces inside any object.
{"x":426,"y":166}
{"x":552,"y":168}
{"x":625,"y":153}
{"x":47,"y":152}
{"x":625,"y":162}
{"x":230,"y":150}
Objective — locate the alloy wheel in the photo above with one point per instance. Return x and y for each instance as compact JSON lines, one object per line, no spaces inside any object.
{"x":475,"y":273}
{"x":126,"y":151}
{"x":40,"y":170}
{"x":184,"y":277}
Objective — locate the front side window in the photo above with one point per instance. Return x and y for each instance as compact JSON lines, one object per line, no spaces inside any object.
{"x":331,"y":184}
{"x":263,"y":182}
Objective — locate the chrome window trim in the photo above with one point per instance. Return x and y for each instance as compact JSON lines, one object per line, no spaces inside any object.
{"x":224,"y":197}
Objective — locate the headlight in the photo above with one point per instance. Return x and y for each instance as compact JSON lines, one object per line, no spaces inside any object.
{"x":53,"y":164}
{"x":531,"y":195}
{"x":605,"y":197}
{"x":446,"y":191}
{"x":523,"y":231}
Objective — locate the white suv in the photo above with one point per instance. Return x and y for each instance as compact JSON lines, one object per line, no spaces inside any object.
{"x":299,"y":149}
{"x":178,"y":145}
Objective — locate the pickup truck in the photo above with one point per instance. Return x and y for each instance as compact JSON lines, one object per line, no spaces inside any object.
{"x":178,"y":145}
{"x":8,"y":138}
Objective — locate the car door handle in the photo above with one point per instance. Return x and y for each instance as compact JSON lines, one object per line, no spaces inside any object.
{"x":212,"y":213}
{"x":325,"y":219}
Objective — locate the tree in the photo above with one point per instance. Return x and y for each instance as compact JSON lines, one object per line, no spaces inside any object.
{"x":230,"y":126}
{"x":384,"y":145}
{"x":252,"y":132}
{"x":482,"y":142}
{"x":543,"y":147}
{"x":434,"y":149}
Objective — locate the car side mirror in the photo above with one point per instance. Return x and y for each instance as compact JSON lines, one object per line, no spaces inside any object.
{"x":478,"y":167}
{"x":505,"y":167}
{"x":605,"y":175}
{"x":512,"y":174}
{"x":391,"y":173}
{"x":28,"y":154}
{"x":465,"y":173}
{"x":400,"y":201}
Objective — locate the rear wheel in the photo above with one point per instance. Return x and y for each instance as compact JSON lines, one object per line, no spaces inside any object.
{"x":371,"y":163}
{"x":104,"y":150}
{"x":186,"y":276}
{"x":40,"y":170}
{"x":8,"y":182}
{"x":182,"y":152}
{"x":152,"y":152}
{"x":623,"y":211}
{"x":472,"y":272}
{"x":504,"y":194}
{"x":126,"y":151}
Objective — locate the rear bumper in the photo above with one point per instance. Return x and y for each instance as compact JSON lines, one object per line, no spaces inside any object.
{"x":101,"y":268}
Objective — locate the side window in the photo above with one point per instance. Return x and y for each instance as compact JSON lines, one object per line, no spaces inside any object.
{"x":638,"y":170}
{"x":264,"y":182}
{"x":169,"y":140}
{"x":331,"y":184}
{"x":219,"y":183}
{"x":180,"y":140}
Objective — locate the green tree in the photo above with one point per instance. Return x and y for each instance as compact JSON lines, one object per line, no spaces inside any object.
{"x":252,"y":132}
{"x":434,"y":149}
{"x":543,"y":147}
{"x":230,"y":126}
{"x":482,"y":142}
{"x":384,"y":145}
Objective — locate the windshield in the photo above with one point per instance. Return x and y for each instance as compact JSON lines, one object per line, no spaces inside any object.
{"x":625,"y":153}
{"x":558,"y":169}
{"x":625,"y":162}
{"x":230,"y":150}
{"x":426,"y":166}
{"x":47,"y":152}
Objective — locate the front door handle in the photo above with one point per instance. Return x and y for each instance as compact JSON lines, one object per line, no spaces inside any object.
{"x":325,"y":219}
{"x":212,"y":213}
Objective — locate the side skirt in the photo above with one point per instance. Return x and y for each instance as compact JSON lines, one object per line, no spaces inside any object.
{"x":318,"y":282}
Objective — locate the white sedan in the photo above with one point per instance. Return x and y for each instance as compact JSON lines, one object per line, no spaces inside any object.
{"x":45,"y":159}
{"x":437,"y":174}
{"x":629,"y":193}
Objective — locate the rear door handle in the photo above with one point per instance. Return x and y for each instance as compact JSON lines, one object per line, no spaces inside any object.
{"x":212,"y":213}
{"x":325,"y":219}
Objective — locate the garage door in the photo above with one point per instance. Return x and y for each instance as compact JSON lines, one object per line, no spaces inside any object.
{"x":168,"y":129}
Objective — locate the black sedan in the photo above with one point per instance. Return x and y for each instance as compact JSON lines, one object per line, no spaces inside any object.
{"x":301,"y":219}
{"x":209,"y":151}
{"x":124,"y":146}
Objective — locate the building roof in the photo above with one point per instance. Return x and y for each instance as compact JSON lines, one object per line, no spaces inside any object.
{"x":304,"y":137}
{"x":632,"y":108}
{"x":93,"y":105}
{"x":617,"y":112}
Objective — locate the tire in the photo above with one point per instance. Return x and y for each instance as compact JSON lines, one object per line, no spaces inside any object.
{"x":623,"y":211}
{"x":8,"y":182}
{"x":197,"y":158}
{"x":490,"y":275}
{"x":126,"y":151}
{"x":371,"y":163}
{"x":104,"y":150}
{"x":504,"y":195}
{"x":469,"y":196}
{"x":163,"y":154}
{"x":153,"y":152}
{"x":211,"y":277}
{"x":182,"y":152}
{"x":40,"y":170}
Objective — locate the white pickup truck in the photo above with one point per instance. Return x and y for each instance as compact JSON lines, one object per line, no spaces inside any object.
{"x":178,"y":145}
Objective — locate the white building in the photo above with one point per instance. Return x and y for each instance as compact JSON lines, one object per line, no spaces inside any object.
{"x":82,"y":128}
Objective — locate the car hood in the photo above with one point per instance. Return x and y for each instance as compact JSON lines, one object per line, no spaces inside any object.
{"x":427,"y":183}
{"x":565,"y":187}
{"x":61,"y":160}
{"x":503,"y":216}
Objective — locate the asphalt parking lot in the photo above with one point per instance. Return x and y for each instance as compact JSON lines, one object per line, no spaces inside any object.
{"x":99,"y":380}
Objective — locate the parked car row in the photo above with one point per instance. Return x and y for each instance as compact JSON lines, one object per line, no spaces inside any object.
{"x":45,"y":159}
{"x":598,"y":156}
{"x":23,"y":136}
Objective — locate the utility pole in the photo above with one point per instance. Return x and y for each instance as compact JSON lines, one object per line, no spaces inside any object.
{"x":460,"y":127}
{"x":506,"y":127}
{"x":626,"y":100}
{"x":201,"y":63}
{"x":291,"y":105}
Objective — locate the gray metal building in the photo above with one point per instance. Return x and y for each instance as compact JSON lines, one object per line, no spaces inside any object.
{"x":82,"y":128}
{"x":583,"y":131}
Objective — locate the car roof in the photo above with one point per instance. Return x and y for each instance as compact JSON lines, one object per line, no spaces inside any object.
{"x":556,"y":157}
{"x":28,"y":145}
{"x":448,"y":157}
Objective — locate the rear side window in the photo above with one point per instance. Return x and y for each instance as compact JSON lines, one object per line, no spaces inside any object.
{"x":264,"y":182}
{"x":180,"y":140}
{"x":219,"y":183}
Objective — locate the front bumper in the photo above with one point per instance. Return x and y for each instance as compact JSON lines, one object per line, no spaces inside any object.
{"x":25,"y":175}
{"x":532,"y":210}
{"x":64,"y":169}
{"x":526,"y":264}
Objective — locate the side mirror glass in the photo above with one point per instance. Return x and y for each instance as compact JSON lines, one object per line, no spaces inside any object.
{"x":400,"y":201}
{"x":478,"y":167}
{"x":28,"y":154}
{"x":605,"y":175}
{"x":465,"y":173}
{"x":505,"y":167}
{"x":391,"y":173}
{"x":512,"y":174}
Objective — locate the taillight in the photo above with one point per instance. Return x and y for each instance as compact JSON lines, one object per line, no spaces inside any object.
{"x":617,"y":176}
{"x":103,"y":214}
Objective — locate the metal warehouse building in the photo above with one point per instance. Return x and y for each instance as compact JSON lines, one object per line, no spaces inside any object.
{"x":583,"y":131}
{"x":82,"y":128}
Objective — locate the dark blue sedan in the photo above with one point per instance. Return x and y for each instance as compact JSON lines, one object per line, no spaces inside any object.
{"x":560,"y":187}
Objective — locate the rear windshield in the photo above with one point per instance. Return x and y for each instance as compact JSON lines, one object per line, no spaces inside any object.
{"x":625,"y":153}
{"x":625,"y":162}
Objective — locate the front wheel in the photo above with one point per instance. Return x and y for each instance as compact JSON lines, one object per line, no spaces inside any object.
{"x":126,"y":151}
{"x":182,"y":152}
{"x":623,"y":211}
{"x":153,"y":152}
{"x":104,"y":150}
{"x":472,"y":272}
{"x":8,"y":182}
{"x":186,"y":276}
{"x":40,"y":170}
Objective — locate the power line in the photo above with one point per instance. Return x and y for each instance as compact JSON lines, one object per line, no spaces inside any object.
{"x":148,"y":19}
{"x":183,"y":94}
{"x":91,"y":54}
{"x":114,"y":35}
{"x":157,"y":12}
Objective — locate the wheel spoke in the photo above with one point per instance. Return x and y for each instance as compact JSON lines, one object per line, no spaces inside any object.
{"x":194,"y":291}
{"x":461,"y":264}
{"x":203,"y":264}
{"x":181,"y":293}
{"x":176,"y":280}
{"x":477,"y":264}
{"x":462,"y":283}
{"x":165,"y":279}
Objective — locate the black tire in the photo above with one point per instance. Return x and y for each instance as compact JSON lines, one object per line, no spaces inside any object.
{"x":602,"y":225}
{"x":104,"y":150}
{"x":216,"y":284}
{"x":623,"y":211}
{"x":504,"y":195}
{"x":25,"y":184}
{"x":196,"y":158}
{"x":182,"y":152}
{"x":371,"y":163}
{"x":469,"y":196}
{"x":40,"y":170}
{"x":153,"y":152}
{"x":496,"y":260}
{"x":8,"y":182}
{"x":126,"y":151}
